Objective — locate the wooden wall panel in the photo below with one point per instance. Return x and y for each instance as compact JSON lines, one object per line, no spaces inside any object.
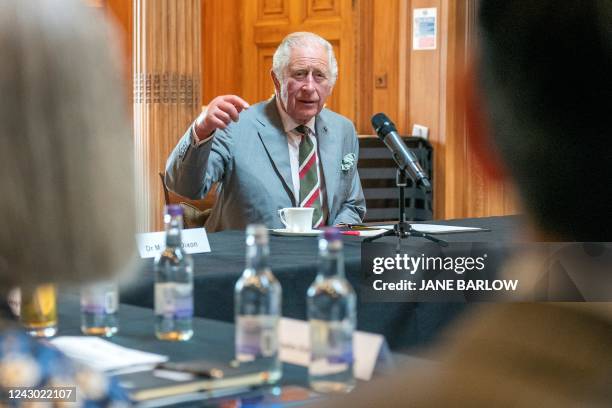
{"x":454,"y":48}
{"x":335,"y":102}
{"x":322,"y":8}
{"x":363,"y":71}
{"x":274,"y":11}
{"x":424,"y":98}
{"x":221,"y":48}
{"x":468,"y":191}
{"x":264,"y":64}
{"x":382,"y":63}
{"x":385,"y":59}
{"x":435,"y":100}
{"x":167,"y":92}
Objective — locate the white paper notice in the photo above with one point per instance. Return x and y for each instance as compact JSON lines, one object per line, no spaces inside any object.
{"x":443,"y":229}
{"x":424,"y":29}
{"x":295,"y":347}
{"x":434,"y":229}
{"x":103,"y":355}
{"x":150,"y":244}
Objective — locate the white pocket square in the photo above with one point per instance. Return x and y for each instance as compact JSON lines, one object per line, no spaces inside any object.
{"x":348,"y":161}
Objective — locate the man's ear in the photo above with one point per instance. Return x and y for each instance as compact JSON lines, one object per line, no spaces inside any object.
{"x":276,"y":83}
{"x":478,"y":129}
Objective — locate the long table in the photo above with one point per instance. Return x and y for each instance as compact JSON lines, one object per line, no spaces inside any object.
{"x":294,"y":263}
{"x":212,"y":341}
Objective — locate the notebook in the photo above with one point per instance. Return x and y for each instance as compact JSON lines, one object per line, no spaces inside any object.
{"x":199,"y":376}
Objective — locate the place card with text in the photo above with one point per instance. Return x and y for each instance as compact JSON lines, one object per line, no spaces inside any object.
{"x":150,"y":244}
{"x":370,"y":350}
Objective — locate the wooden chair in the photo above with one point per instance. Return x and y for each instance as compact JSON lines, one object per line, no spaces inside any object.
{"x":195,"y":212}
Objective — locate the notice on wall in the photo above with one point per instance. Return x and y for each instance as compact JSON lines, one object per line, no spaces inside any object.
{"x":424,"y":28}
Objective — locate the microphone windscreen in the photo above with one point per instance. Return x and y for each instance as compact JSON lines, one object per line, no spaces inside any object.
{"x":378,"y":120}
{"x":382,"y":124}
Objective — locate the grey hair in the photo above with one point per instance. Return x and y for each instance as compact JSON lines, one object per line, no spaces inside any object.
{"x":281,"y":57}
{"x":66,"y":153}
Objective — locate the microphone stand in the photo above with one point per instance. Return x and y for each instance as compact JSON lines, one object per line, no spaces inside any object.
{"x":403,"y":229}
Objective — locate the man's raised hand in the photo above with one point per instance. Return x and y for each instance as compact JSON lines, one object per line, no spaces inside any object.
{"x":220,"y":112}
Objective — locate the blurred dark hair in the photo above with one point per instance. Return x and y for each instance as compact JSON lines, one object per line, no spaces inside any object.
{"x":546,"y":75}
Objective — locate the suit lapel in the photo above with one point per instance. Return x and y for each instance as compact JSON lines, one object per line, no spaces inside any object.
{"x":274,"y":140}
{"x":329,"y":152}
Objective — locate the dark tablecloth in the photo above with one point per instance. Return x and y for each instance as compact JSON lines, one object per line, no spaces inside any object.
{"x":294,"y":263}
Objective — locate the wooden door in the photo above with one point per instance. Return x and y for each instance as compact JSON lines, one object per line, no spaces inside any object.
{"x":266,"y":22}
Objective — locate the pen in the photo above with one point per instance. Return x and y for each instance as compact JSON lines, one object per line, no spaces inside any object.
{"x":355,"y":233}
{"x":351,"y":226}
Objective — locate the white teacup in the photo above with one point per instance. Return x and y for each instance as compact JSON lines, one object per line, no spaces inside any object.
{"x":296,"y":219}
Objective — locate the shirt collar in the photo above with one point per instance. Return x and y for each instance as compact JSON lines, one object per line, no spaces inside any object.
{"x":288,"y":123}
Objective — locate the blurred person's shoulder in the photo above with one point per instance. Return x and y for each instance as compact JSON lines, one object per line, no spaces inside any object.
{"x":507,"y":354}
{"x":526,"y":353}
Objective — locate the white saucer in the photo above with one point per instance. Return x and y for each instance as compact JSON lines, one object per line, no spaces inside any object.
{"x":286,"y":233}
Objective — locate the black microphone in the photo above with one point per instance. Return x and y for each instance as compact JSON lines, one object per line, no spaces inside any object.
{"x":405,"y":159}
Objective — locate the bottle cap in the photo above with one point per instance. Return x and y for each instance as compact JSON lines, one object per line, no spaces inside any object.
{"x":331,"y":239}
{"x":174,"y":209}
{"x":332,"y":234}
{"x":257,"y":233}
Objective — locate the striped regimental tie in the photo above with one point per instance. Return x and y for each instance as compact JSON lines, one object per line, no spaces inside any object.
{"x":310,"y":189}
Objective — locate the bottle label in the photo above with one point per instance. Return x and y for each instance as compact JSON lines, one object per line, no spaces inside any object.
{"x":256,"y":336}
{"x":99,"y":302}
{"x":331,"y":346}
{"x":174,"y":300}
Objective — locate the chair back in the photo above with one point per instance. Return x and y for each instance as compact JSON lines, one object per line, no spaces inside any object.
{"x":377,"y":171}
{"x":195,"y":212}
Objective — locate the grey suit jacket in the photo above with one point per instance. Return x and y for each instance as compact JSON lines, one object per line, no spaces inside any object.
{"x":250,"y":162}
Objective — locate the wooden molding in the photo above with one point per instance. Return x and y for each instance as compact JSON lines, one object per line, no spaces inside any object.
{"x":166,"y":92}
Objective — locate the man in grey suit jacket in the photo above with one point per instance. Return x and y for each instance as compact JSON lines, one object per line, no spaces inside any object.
{"x":286,"y":152}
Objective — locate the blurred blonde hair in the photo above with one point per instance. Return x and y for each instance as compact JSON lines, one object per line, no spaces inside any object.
{"x":66,"y":154}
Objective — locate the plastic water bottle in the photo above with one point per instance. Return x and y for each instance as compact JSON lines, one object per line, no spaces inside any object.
{"x":173,"y":283}
{"x":258,"y":298}
{"x":99,"y":306}
{"x":332,"y":315}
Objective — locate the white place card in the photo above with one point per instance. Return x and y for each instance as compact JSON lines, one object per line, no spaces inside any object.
{"x":195,"y":241}
{"x":368,"y":348}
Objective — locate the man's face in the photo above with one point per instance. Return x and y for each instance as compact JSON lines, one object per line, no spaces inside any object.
{"x":306,"y":84}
